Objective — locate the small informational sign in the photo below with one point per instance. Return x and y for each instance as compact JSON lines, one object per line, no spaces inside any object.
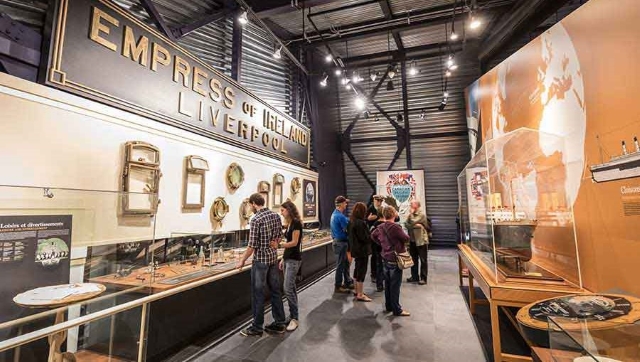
{"x":310,"y":201}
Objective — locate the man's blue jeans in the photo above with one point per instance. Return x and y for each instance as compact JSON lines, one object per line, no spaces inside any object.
{"x":392,"y":283}
{"x":342,"y":264}
{"x":265,"y":275}
{"x":291,"y":267}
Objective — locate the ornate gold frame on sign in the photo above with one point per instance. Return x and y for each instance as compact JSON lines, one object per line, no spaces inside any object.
{"x":231,"y":170}
{"x":219,"y":209}
{"x":141,"y":164}
{"x":296,"y":185}
{"x":245,"y":210}
{"x":278,"y":190}
{"x":196,"y":167}
{"x":264,"y":188}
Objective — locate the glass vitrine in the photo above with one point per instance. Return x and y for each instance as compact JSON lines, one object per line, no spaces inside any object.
{"x":516,"y":208}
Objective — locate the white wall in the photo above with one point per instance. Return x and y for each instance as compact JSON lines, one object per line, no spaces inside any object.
{"x":53,"y":139}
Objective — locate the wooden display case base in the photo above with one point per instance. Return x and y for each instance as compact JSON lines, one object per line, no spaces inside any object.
{"x":504,"y":294}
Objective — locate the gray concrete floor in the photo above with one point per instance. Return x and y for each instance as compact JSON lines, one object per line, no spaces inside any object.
{"x":335,"y":328}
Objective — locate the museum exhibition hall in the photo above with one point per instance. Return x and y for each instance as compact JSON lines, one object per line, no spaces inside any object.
{"x":319,"y":180}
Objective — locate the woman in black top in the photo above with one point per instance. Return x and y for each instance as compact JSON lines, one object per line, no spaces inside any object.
{"x":360,"y":245}
{"x":292,"y":258}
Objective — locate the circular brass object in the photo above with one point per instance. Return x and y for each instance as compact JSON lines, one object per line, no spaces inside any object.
{"x":245,"y":210}
{"x":296,"y":185}
{"x":219,"y":209}
{"x":235,"y":176}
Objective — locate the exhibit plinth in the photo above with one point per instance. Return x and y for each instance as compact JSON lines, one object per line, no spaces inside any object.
{"x":507,"y":293}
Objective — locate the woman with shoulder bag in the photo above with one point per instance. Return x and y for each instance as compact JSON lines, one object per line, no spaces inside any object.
{"x":360,"y":245}
{"x":392,"y":239}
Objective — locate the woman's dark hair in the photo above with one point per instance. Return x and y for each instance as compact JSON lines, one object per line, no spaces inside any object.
{"x":292,"y":210}
{"x":358,"y":212}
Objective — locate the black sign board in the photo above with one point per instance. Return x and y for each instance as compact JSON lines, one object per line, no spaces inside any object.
{"x":100,"y":51}
{"x":310,"y":198}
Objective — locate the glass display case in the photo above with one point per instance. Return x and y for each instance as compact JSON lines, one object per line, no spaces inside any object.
{"x":573,"y":340}
{"x":516,"y":208}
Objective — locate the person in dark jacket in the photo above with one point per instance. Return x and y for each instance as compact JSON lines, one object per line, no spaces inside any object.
{"x":360,"y":245}
{"x":392,"y":239}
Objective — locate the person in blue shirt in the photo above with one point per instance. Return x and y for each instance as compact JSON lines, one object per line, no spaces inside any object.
{"x":339,"y":222}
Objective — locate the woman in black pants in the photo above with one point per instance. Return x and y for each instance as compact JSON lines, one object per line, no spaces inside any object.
{"x":360,"y":245}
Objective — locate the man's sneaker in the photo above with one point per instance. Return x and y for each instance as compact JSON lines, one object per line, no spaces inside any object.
{"x":293,"y":325}
{"x":341,"y":289}
{"x":275,"y":328}
{"x":251,"y":332}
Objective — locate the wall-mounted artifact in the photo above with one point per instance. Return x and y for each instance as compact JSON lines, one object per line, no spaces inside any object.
{"x":278,"y":188}
{"x":296,"y":185}
{"x":264,"y":188}
{"x":219,"y":209}
{"x":235,"y":176}
{"x":141,"y":178}
{"x":245,"y":210}
{"x":196,"y":168}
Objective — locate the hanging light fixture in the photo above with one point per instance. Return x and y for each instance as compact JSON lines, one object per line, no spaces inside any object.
{"x":360,"y":103}
{"x":390,"y":85}
{"x":450,"y":61}
{"x":366,"y":114}
{"x":413,"y":69}
{"x":423,"y":114}
{"x":338,"y":72}
{"x":474,"y":22}
{"x":243,"y":19}
{"x":325,"y":77}
{"x":392,"y":72}
{"x":447,"y":73}
{"x":445,"y":94}
{"x":454,"y":35}
{"x":328,"y":58}
{"x":278,"y":53}
{"x":374,"y":76}
{"x":355,"y":77}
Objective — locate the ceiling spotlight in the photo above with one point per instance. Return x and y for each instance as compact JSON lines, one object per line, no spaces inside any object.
{"x":447,"y":73}
{"x":328,"y":58}
{"x":453,"y":67}
{"x":413,"y":70}
{"x":390,"y":86}
{"x":323,"y":83}
{"x":443,"y":104}
{"x":475,"y":22}
{"x":345,"y":81}
{"x":338,"y":72}
{"x":374,"y":76}
{"x":243,"y":19}
{"x":450,"y":61}
{"x":355,"y":78}
{"x":278,"y":53}
{"x":446,"y":94}
{"x":453,"y":36}
{"x":392,"y":72}
{"x":360,"y":103}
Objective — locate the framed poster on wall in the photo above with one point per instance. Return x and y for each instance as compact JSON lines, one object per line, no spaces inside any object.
{"x":310,"y":200}
{"x":402,"y":187}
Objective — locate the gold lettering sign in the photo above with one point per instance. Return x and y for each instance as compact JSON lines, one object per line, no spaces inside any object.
{"x":121,"y":61}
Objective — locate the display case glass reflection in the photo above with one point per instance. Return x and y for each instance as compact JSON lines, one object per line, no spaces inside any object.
{"x":516,"y":210}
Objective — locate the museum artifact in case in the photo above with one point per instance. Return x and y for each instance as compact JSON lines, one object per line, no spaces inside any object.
{"x":196,"y":168}
{"x":234,"y":176}
{"x":140,"y":175}
{"x":278,"y":190}
{"x":517,"y":210}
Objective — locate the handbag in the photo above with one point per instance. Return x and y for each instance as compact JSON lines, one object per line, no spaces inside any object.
{"x":404,"y":260}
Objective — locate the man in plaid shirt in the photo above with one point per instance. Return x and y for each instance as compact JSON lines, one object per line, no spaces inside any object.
{"x":265,"y":227}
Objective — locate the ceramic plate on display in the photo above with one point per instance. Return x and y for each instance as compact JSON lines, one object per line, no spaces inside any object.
{"x":235,"y":176}
{"x":296,"y":185}
{"x":219,"y":209}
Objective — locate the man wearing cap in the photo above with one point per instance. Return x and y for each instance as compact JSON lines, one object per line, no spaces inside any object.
{"x":374,"y":215}
{"x":340,"y":245}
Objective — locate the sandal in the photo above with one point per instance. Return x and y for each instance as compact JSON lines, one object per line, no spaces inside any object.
{"x":364,"y":299}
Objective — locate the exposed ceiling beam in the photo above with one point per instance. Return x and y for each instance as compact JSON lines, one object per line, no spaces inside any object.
{"x":157,"y":19}
{"x":205,"y":20}
{"x":418,"y":19}
{"x":267,"y":8}
{"x":523,"y":19}
{"x":388,"y":14}
{"x":281,"y":32}
{"x":413,"y":53}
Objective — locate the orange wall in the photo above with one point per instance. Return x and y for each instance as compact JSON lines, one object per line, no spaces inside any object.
{"x":581,"y":80}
